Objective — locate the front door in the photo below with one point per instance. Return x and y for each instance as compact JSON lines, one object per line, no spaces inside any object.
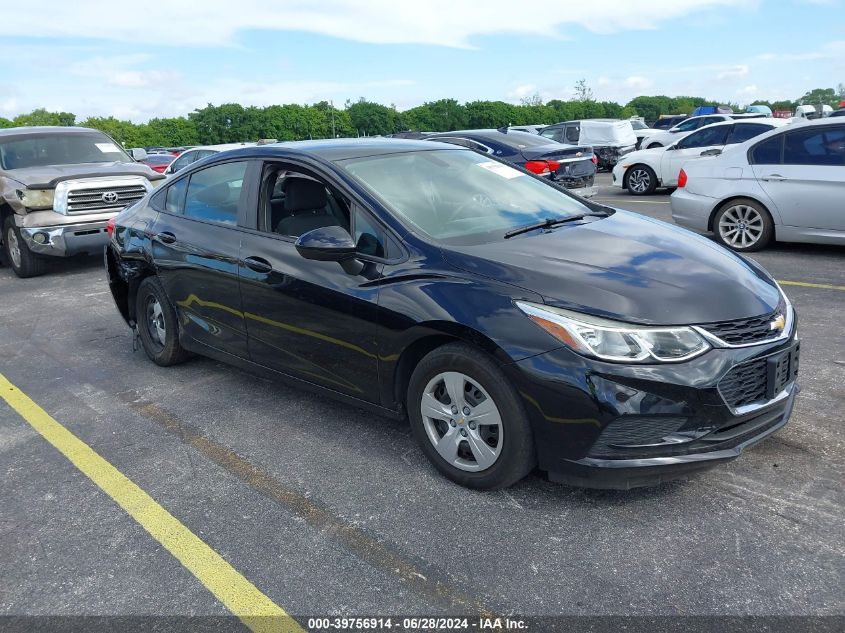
{"x":196,"y":247}
{"x":690,"y":148}
{"x":309,"y":319}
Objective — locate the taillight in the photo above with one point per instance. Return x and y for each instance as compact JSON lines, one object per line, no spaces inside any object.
{"x":542,"y":167}
{"x":682,"y":179}
{"x":110,"y":227}
{"x":159,"y":168}
{"x":595,"y":160}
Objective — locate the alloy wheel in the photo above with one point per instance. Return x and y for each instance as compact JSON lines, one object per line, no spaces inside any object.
{"x":741,"y":226}
{"x":14,"y":248}
{"x":639,"y":181}
{"x":462,"y":421}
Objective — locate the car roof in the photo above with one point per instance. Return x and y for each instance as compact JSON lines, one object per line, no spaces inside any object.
{"x":344,"y":148}
{"x":44,"y":130}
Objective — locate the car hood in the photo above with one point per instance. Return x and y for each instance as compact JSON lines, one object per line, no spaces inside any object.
{"x":629,"y":268}
{"x":48,"y":177}
{"x":642,"y":154}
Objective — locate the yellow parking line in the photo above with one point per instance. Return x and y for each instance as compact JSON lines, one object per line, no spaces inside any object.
{"x":807,"y":284}
{"x":238,"y":594}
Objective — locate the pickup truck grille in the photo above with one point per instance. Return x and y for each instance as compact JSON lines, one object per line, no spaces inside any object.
{"x":88,"y":200}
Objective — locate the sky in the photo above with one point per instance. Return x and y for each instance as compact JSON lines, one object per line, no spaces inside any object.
{"x":137,"y":61}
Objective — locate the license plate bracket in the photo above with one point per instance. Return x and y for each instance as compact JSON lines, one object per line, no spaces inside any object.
{"x":781,"y":369}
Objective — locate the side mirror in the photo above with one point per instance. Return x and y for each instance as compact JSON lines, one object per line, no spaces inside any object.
{"x":138,"y":154}
{"x":326,"y":244}
{"x":711,"y":152}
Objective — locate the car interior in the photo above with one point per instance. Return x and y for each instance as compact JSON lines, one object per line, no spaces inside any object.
{"x":294,"y":203}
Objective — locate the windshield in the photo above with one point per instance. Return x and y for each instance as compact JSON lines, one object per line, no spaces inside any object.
{"x":459,"y":196}
{"x":41,"y":150}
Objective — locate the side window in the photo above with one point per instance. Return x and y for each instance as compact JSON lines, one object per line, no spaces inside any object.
{"x":369,"y":239}
{"x":572,"y":133}
{"x":293,"y":202}
{"x":823,"y":146}
{"x":711,"y":119}
{"x":705,"y":137}
{"x":175,"y":200}
{"x":768,"y":152}
{"x":744,"y":131}
{"x":214,"y":193}
{"x":688,"y":126}
{"x":553,"y":134}
{"x":183,"y":161}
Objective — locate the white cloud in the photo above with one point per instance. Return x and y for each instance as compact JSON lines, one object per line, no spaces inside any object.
{"x":637,"y":82}
{"x":748,"y":91}
{"x":440,"y":22}
{"x":735,"y":72}
{"x":521,"y":91}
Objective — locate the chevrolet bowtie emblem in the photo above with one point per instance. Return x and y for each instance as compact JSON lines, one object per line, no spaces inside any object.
{"x":778,"y":324}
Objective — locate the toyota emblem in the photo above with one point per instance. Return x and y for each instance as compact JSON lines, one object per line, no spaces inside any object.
{"x":110,"y":197}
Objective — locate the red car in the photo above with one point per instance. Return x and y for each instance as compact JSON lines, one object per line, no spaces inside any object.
{"x":158,"y":162}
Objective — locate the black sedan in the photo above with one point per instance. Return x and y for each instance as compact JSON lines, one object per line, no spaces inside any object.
{"x":514,"y":324}
{"x":573,"y":166}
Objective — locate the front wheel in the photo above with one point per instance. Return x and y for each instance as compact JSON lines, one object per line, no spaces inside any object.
{"x":743,"y":225}
{"x":23,"y":261}
{"x":469,"y":420}
{"x":640,"y":180}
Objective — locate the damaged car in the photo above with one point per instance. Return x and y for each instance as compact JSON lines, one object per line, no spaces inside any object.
{"x":59,"y":186}
{"x":610,"y":138}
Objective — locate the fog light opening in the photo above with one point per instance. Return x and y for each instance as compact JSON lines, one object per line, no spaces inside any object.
{"x":40,"y":238}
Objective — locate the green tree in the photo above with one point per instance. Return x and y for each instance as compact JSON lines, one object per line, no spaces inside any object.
{"x":5,"y":123}
{"x":176,"y":131}
{"x":582,"y":91}
{"x":370,"y":118}
{"x":43,"y":117}
{"x":823,"y":96}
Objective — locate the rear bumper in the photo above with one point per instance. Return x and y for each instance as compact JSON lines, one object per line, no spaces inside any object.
{"x":691,"y":211}
{"x":66,"y":240}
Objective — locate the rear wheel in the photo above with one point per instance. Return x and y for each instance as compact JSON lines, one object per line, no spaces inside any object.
{"x":640,"y":180}
{"x":743,"y":225}
{"x":468,"y":419}
{"x":158,"y":325}
{"x":23,"y":261}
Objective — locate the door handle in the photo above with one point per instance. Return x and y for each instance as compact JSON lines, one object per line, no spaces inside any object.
{"x":258,"y":264}
{"x":774,"y":178}
{"x":165,"y":237}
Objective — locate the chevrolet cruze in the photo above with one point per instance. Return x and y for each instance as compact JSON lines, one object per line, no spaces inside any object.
{"x":514,"y":324}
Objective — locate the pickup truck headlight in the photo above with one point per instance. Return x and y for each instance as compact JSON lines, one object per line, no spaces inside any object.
{"x":613,"y":340}
{"x":36,"y":198}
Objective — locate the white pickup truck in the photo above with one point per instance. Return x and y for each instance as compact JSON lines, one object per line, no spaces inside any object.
{"x":59,"y":187}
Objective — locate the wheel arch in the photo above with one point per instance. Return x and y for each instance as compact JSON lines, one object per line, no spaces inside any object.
{"x":124,"y":277}
{"x":718,"y":206}
{"x":428,"y":337}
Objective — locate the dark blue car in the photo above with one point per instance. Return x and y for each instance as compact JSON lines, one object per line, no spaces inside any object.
{"x":512,"y":323}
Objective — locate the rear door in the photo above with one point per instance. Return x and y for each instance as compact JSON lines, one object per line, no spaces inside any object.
{"x":807,"y":184}
{"x":690,"y":148}
{"x":196,"y":245}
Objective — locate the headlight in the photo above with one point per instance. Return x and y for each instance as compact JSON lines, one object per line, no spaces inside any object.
{"x":36,"y":198}
{"x":613,"y":340}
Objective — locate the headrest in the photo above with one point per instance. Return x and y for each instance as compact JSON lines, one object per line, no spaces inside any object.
{"x":302,"y":194}
{"x":215,"y":194}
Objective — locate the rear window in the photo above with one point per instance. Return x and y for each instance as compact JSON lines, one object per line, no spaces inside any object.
{"x":768,"y":152}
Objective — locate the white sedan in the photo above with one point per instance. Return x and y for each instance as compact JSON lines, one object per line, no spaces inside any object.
{"x":643,"y":171}
{"x":787,"y":185}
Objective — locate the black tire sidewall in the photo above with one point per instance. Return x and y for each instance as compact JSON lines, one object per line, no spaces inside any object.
{"x":171,"y":352}
{"x":31,"y":264}
{"x":517,"y":457}
{"x":768,"y":225}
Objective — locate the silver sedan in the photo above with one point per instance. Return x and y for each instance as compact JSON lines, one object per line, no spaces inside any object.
{"x":786,"y":185}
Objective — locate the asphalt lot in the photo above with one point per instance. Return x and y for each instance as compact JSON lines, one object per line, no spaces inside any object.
{"x":328,"y":510}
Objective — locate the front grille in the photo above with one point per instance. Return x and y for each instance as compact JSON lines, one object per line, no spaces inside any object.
{"x":88,"y":200}
{"x":745,"y":384}
{"x":744,"y":331}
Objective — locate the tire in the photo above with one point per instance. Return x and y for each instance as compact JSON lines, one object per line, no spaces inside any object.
{"x":640,"y":180}
{"x":462,"y":457}
{"x":743,"y":225}
{"x":21,"y":260}
{"x":158,"y":326}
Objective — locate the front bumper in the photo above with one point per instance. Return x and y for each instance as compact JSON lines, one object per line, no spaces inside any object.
{"x":608,"y":425}
{"x":691,"y":210}
{"x":66,"y":240}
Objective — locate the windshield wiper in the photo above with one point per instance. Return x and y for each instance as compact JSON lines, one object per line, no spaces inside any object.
{"x":550,"y":222}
